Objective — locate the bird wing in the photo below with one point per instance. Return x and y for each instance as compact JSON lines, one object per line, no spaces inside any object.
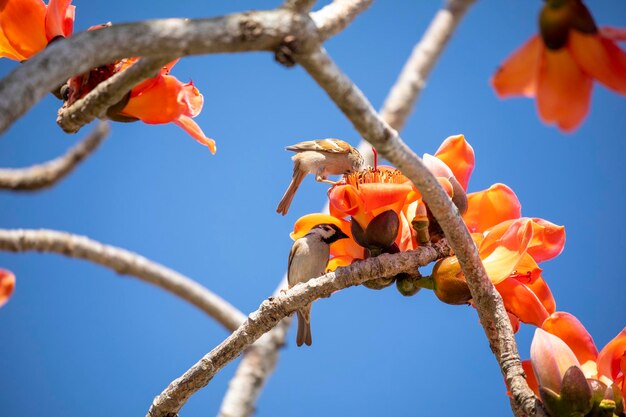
{"x":325,"y":145}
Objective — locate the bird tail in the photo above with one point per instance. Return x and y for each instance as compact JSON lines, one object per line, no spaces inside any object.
{"x":285,"y":202}
{"x":304,"y":327}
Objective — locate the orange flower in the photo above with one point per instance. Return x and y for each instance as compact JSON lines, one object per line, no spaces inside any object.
{"x":557,"y":67}
{"x":27,"y":26}
{"x":164,"y":99}
{"x":510,"y":252}
{"x":7,"y":285}
{"x":157,"y":100}
{"x":604,"y":370}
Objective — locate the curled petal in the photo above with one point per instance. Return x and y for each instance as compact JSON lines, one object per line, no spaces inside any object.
{"x":7,"y":286}
{"x":345,"y":200}
{"x":611,"y":358}
{"x":457,"y":154}
{"x":504,"y":247}
{"x":194,"y":130}
{"x":522,"y":302}
{"x":601,"y":58}
{"x":518,"y":74}
{"x":570,"y":330}
{"x":563,"y":90}
{"x":338,"y":261}
{"x":548,"y":240}
{"x":541,"y":290}
{"x":492,"y":206}
{"x":551,"y":358}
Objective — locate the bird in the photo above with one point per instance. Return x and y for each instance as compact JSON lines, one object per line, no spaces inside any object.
{"x":322,"y":158}
{"x":308,"y":259}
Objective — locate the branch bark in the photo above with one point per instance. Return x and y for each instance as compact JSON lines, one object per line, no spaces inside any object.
{"x":38,"y":177}
{"x":491,"y":312}
{"x":106,"y":94}
{"x":336,"y":16}
{"x":125,"y":263}
{"x":274,"y":309}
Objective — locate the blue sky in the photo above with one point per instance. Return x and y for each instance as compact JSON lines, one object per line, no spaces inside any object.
{"x":78,"y":339}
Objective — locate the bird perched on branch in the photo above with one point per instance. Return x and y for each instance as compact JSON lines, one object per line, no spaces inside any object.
{"x":322,"y":158}
{"x":308,"y":259}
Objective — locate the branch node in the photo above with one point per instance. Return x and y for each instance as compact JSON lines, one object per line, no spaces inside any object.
{"x":285,"y":52}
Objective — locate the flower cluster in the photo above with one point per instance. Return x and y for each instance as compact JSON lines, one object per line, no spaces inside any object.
{"x":7,"y":285}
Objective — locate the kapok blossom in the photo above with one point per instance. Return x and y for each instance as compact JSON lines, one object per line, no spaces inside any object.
{"x":27,"y":26}
{"x":563,"y":342}
{"x":7,"y":285}
{"x":558,"y":66}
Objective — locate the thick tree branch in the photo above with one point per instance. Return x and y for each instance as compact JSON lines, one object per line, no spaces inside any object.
{"x":336,"y":16}
{"x":260,"y":359}
{"x":249,"y":31}
{"x":372,"y":128}
{"x":107,"y":93}
{"x":126,"y":263}
{"x":45,"y":175}
{"x":412,"y":79}
{"x":299,"y":6}
{"x":274,"y":309}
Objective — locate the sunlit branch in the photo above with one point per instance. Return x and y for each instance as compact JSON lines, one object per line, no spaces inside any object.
{"x":46,"y":175}
{"x":126,"y":263}
{"x":372,"y":128}
{"x":336,"y":16}
{"x":300,"y":6}
{"x":109,"y":92}
{"x":274,"y":309}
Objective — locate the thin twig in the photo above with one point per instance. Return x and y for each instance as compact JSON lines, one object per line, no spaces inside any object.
{"x":38,"y":177}
{"x":412,"y":79}
{"x":126,"y":263}
{"x":274,"y":309}
{"x":372,"y":128}
{"x":336,"y":16}
{"x":107,"y":93}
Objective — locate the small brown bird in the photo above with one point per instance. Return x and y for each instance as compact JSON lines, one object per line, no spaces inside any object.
{"x":308,"y":259}
{"x":322,"y":158}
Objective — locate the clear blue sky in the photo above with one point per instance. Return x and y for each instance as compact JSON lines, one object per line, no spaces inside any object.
{"x":77,"y":339}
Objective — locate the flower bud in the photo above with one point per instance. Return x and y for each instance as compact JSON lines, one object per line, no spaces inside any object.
{"x":407,"y":284}
{"x":449,"y":282}
{"x":551,"y":358}
{"x":379,"y":234}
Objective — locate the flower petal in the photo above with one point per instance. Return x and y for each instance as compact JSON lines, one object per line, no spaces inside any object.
{"x":570,"y":330}
{"x":504,"y":246}
{"x":522,"y":302}
{"x":551,"y":358}
{"x":490,"y":207}
{"x":158,"y":104}
{"x":531,"y":379}
{"x":457,"y":154}
{"x":611,"y":357}
{"x":541,"y":290}
{"x":194,"y":130}
{"x":59,"y":19}
{"x":437,"y":167}
{"x":601,"y":58}
{"x":563,"y":90}
{"x":338,"y":261}
{"x":518,"y":74}
{"x":7,"y":286}
{"x":305,"y":223}
{"x":548,"y":240}
{"x":23,"y":24}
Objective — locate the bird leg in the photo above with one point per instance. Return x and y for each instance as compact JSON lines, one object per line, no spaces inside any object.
{"x":321,"y":178}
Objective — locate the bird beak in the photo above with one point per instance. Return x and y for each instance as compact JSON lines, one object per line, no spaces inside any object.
{"x":341,"y":235}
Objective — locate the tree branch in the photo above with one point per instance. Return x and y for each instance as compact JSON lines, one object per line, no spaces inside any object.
{"x":249,"y":31}
{"x":299,"y":6}
{"x":372,"y":128}
{"x":126,"y":263}
{"x":260,"y":359}
{"x":107,"y":93}
{"x":274,"y":309}
{"x":38,"y":177}
{"x":336,"y":16}
{"x":412,"y":79}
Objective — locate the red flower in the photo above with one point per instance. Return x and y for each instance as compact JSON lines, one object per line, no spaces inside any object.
{"x":558,"y":66}
{"x":7,"y":285}
{"x":27,"y":26}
